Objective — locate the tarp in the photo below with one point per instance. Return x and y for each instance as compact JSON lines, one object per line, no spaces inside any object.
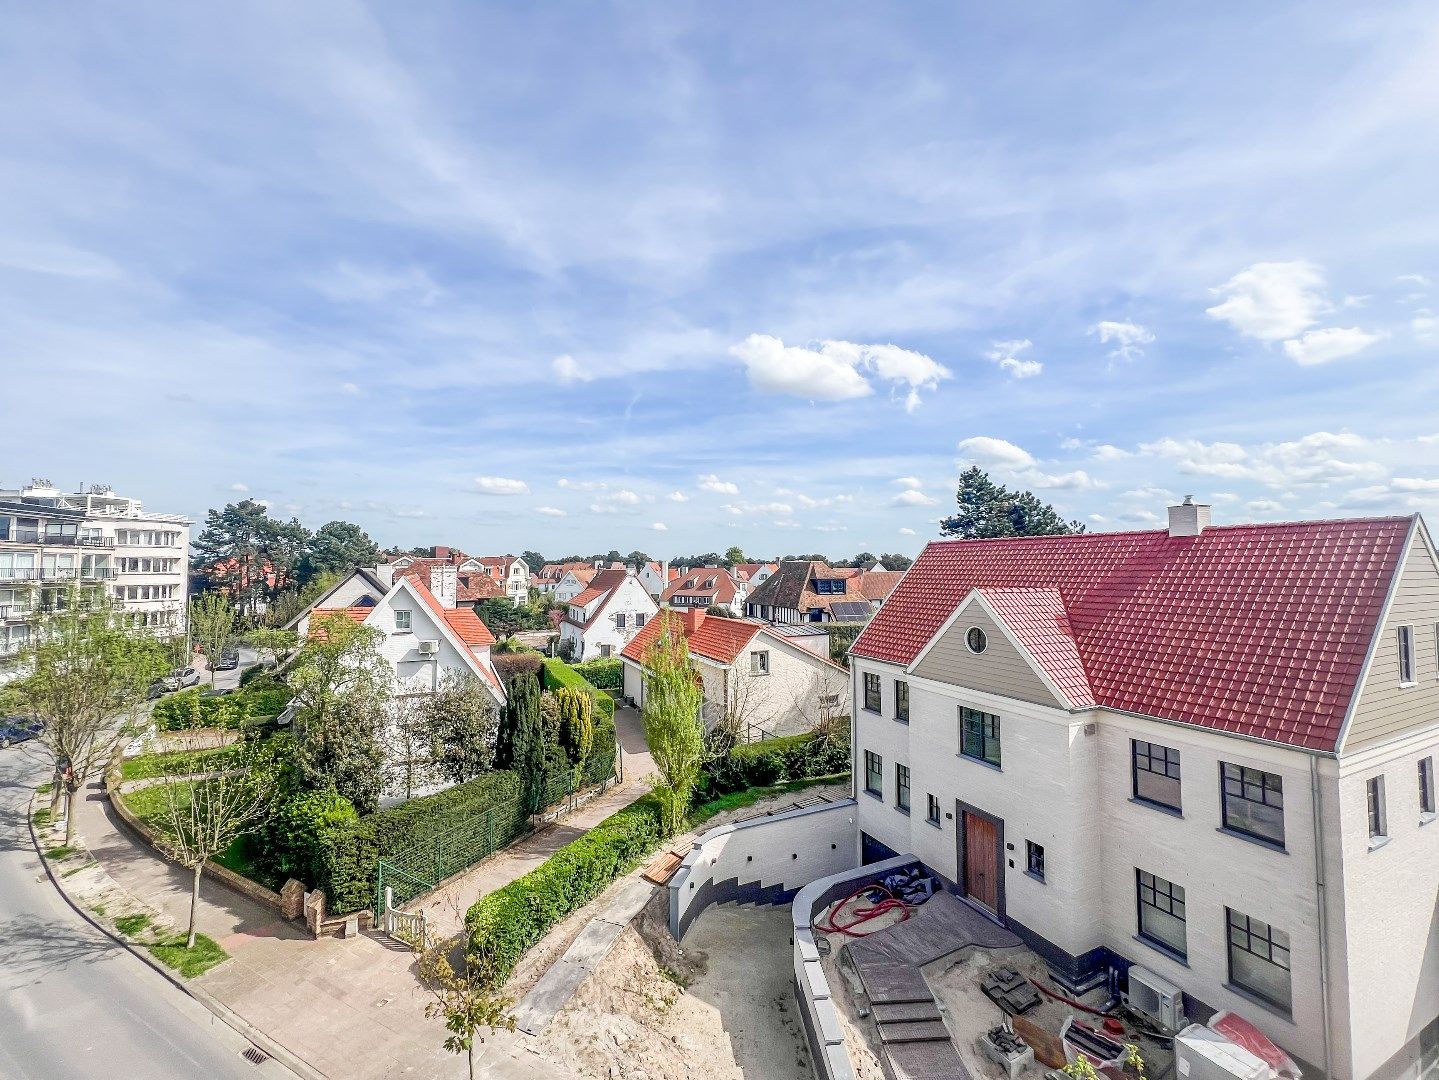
{"x":1239,"y":1030}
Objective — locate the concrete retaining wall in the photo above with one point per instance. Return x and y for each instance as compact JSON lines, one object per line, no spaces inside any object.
{"x":764,"y":860}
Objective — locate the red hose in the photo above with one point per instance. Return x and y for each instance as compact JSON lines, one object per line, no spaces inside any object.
{"x":830,"y":925}
{"x":1068,"y":1001}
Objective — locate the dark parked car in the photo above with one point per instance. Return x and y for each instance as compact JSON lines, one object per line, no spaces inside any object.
{"x":229,"y":660}
{"x":16,"y":729}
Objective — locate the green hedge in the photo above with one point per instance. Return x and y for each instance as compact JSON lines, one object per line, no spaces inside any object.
{"x":348,"y":857}
{"x":505,"y":924}
{"x":606,"y":673}
{"x":559,"y":675}
{"x":191,"y":708}
{"x":777,"y":761}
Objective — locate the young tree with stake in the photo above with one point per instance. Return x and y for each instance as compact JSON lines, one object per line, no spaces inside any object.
{"x":212,"y":626}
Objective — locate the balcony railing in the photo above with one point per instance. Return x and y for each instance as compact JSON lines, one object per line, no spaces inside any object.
{"x":13,"y":611}
{"x":57,"y":573}
{"x":33,"y":536}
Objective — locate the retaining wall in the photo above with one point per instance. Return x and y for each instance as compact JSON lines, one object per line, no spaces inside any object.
{"x":765,"y":860}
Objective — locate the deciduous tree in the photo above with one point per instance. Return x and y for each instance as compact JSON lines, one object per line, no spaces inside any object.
{"x":673,"y":729}
{"x":212,"y":626}
{"x":461,"y":723}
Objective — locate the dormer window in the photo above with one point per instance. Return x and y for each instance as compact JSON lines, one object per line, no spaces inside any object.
{"x":829,"y":586}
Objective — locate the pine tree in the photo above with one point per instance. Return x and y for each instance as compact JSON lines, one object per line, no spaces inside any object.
{"x":988,"y":510}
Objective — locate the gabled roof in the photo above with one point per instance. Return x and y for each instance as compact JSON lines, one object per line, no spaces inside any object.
{"x":373,"y":583}
{"x":1256,"y":630}
{"x":786,"y":586}
{"x":714,"y":583}
{"x":791,"y":585}
{"x":717,"y":639}
{"x":1038,"y":621}
{"x":602,"y":588}
{"x":468,"y":587}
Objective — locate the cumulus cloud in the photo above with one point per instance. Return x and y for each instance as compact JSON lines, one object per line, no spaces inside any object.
{"x":1319,"y":458}
{"x":1128,"y":338}
{"x":836,"y":370}
{"x":711,"y":482}
{"x":911,"y":482}
{"x":1105,"y":452}
{"x":749,"y":509}
{"x":912,"y":497}
{"x":831,"y":527}
{"x":615,"y":501}
{"x":241,"y":488}
{"x":550,"y":511}
{"x":1271,"y":300}
{"x":581,"y":485}
{"x":677,"y":496}
{"x":353,"y":389}
{"x":987,"y":450}
{"x":906,"y":532}
{"x":660,"y":526}
{"x":1007,"y":355}
{"x":1321,"y":346}
{"x":500,"y":485}
{"x":568,"y":370}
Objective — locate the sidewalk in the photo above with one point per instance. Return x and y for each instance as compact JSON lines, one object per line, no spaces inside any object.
{"x":351,"y":1009}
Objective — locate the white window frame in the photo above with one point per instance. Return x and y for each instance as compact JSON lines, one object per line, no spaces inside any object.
{"x":404,"y":620}
{"x":759,"y":662}
{"x":1406,"y":655}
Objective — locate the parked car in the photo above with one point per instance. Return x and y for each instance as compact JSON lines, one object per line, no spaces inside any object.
{"x":180,"y":679}
{"x":17,"y":729}
{"x":157,"y":689}
{"x":229,"y":660}
{"x":219,"y":691}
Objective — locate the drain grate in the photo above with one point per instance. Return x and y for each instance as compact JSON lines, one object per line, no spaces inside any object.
{"x":255,"y":1056}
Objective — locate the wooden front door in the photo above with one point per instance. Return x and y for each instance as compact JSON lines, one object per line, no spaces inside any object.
{"x":981,"y":861}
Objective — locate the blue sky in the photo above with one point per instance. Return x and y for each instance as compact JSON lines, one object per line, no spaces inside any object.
{"x":674,"y":276}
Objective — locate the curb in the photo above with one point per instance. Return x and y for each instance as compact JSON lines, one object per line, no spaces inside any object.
{"x":232,"y":1019}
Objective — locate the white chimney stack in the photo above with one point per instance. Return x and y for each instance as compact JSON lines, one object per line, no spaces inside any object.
{"x":1189,"y":518}
{"x":444,"y":584}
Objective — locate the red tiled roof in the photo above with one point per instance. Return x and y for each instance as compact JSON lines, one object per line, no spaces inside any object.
{"x":877,"y":584}
{"x":1259,"y":630}
{"x":356,"y":614}
{"x":696,"y":583}
{"x":463,"y":622}
{"x":718,"y":639}
{"x":1038,"y":619}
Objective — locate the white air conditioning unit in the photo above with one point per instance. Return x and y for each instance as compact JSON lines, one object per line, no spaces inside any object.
{"x":1201,"y":1053}
{"x":1156,"y":997}
{"x":428,"y":648}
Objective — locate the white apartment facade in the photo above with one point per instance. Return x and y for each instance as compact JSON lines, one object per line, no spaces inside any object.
{"x":52,"y":540}
{"x":1155,"y":770}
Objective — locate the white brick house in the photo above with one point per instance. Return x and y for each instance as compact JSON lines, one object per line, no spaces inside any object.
{"x":1207,"y":750}
{"x":601,"y":620}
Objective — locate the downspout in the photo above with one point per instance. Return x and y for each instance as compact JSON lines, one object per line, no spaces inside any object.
{"x":1321,"y":908}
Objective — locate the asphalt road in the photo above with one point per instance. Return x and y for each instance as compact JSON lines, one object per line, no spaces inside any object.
{"x":74,"y":1004}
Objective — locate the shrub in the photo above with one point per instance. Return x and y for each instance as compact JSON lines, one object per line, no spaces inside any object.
{"x":558,"y":676}
{"x":191,"y":708}
{"x":502,"y":926}
{"x":510,"y":664}
{"x":606,"y":673}
{"x":841,"y":637}
{"x":267,"y":701}
{"x":600,"y":765}
{"x":778,"y":761}
{"x":291,"y":838}
{"x":347,"y":857}
{"x":259,"y":677}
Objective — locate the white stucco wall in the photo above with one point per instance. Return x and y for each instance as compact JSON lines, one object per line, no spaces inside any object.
{"x":630,"y":599}
{"x":784,"y":702}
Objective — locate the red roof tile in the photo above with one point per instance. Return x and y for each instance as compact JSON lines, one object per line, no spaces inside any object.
{"x":463,"y":622}
{"x":718,"y":639}
{"x":1258,"y":630}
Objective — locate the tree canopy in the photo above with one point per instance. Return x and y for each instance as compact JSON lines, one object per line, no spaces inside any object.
{"x":988,"y":510}
{"x":337,"y":548}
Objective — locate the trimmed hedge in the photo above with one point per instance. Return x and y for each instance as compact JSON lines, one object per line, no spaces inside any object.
{"x":777,"y":761}
{"x":559,"y":675}
{"x":191,"y":708}
{"x":348,"y":857}
{"x":502,"y":926}
{"x":606,"y":673}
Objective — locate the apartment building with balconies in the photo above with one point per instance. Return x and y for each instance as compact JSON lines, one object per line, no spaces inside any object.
{"x":101,"y":543}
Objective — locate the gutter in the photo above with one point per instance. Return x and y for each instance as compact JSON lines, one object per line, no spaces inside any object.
{"x":1320,"y":905}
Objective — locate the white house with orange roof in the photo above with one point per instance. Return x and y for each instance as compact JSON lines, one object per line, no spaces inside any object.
{"x":572,"y":582}
{"x":705,"y":587}
{"x":510,"y":572}
{"x":766,"y":680}
{"x":601,"y":620}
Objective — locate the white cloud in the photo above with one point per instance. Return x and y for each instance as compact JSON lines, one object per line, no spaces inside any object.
{"x":1105,"y":452}
{"x":568,"y":370}
{"x":1319,"y":458}
{"x":911,"y":482}
{"x":1413,"y":279}
{"x":615,"y":501}
{"x":660,"y":526}
{"x":242,"y":488}
{"x":831,"y":528}
{"x":353,"y":389}
{"x":1410,"y":483}
{"x":1264,"y":506}
{"x":677,"y":496}
{"x":912,"y":497}
{"x":1425,"y":327}
{"x":987,"y":450}
{"x":1006,"y":355}
{"x":550,"y":511}
{"x":1321,"y":346}
{"x":581,"y":485}
{"x":906,"y":532}
{"x":1271,"y":300}
{"x":835,"y":370}
{"x":711,"y":482}
{"x":748,"y":509}
{"x":1129,"y":338}
{"x":501,"y":485}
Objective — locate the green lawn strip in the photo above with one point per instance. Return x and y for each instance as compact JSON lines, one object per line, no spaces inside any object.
{"x":175,"y":761}
{"x":171,"y":952}
{"x":59,"y":851}
{"x":131,"y":925}
{"x":737,"y":800}
{"x":242,"y":856}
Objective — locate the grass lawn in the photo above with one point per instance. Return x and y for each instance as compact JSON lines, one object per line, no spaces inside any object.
{"x":736,"y":800}
{"x":130,"y":925}
{"x":242,"y":856}
{"x":174,"y":761}
{"x":171,"y":952}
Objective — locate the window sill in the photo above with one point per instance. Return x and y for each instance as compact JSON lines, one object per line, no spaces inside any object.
{"x":903,"y":810}
{"x":1406,"y":685}
{"x":877,"y":795}
{"x":1163,"y":950}
{"x":1263,"y":1003}
{"x":1252,"y":839}
{"x":901,"y":720}
{"x":1172,"y":811}
{"x":979,"y":761}
{"x":1425,"y":819}
{"x":1377,"y":842}
{"x":937,"y":824}
{"x":866,"y":708}
{"x":1037,"y":877}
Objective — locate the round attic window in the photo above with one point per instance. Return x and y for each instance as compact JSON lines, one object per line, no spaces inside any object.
{"x":976,"y":640}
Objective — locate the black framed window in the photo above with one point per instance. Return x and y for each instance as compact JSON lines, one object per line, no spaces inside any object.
{"x":1259,"y":959}
{"x":1156,"y":773}
{"x":901,"y":700}
{"x":932,"y":811}
{"x":1162,"y":918}
{"x":1374,"y":796}
{"x":979,"y":735}
{"x":901,"y":787}
{"x":1034,"y":859}
{"x":871,"y":691}
{"x":1406,"y":654}
{"x":1253,"y":802}
{"x":873,"y":773}
{"x":1426,"y":785}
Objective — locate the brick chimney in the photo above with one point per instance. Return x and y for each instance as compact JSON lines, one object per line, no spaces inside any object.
{"x":692,"y":618}
{"x":444,"y":583}
{"x":442,"y":552}
{"x":1189,"y":518}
